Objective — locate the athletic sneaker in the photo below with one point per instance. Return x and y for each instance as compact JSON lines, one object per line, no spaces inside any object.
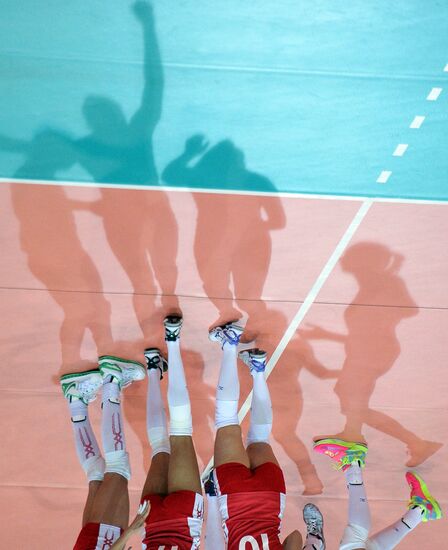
{"x":255,"y":359}
{"x":230,"y":333}
{"x":421,"y":497}
{"x":173,"y":324}
{"x":124,"y":370}
{"x":344,"y":453}
{"x":314,"y":522}
{"x":209,"y":485}
{"x":81,"y":385}
{"x":155,"y":360}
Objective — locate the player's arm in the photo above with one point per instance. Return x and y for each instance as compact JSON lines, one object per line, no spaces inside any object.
{"x":293,"y":541}
{"x":177,"y":171}
{"x":148,"y":115}
{"x":135,"y":526}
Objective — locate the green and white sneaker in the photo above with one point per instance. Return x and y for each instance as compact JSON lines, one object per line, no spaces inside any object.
{"x":81,"y":385}
{"x":124,"y":370}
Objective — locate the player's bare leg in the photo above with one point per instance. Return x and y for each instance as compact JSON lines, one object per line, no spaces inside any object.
{"x":93,"y":489}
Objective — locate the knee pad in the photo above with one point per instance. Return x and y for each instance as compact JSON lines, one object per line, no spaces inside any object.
{"x":180,"y":420}
{"x":117,"y":462}
{"x":354,"y":537}
{"x":94,"y":468}
{"x":258,"y":433}
{"x":226,"y":413}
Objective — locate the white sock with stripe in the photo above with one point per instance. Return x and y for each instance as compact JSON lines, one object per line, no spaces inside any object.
{"x":394,"y":534}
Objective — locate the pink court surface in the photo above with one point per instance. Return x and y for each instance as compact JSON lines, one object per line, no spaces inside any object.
{"x":349,"y":297}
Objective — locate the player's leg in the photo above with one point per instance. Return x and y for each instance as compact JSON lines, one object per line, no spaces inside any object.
{"x":111,"y":503}
{"x":350,"y":457}
{"x":314,"y":522}
{"x":214,"y":534}
{"x":258,"y":448}
{"x":183,"y":472}
{"x":80,"y":389}
{"x":422,"y":506}
{"x":157,"y":478}
{"x":228,"y":442}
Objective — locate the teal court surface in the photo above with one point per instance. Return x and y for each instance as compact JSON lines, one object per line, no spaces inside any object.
{"x":280,"y":162}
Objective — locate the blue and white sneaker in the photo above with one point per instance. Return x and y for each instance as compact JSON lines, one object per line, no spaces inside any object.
{"x":173,"y":324}
{"x":256,"y":359}
{"x":124,"y":370}
{"x":230,"y":333}
{"x":81,"y":385}
{"x":155,"y":360}
{"x":314,"y":522}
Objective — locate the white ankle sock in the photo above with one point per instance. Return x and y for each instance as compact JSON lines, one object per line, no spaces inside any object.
{"x":86,"y":444}
{"x":228,"y":389}
{"x":111,"y":424}
{"x":261,"y":411}
{"x":155,"y":416}
{"x":391,"y":536}
{"x":358,"y":506}
{"x":178,"y":399}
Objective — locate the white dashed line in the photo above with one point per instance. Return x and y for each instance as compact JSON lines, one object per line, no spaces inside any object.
{"x":384,"y":176}
{"x":400,"y":150}
{"x":417,"y":122}
{"x":434,"y":94}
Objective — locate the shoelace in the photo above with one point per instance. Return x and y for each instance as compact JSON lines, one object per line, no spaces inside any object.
{"x":312,"y":527}
{"x":257,"y":365}
{"x":232,"y":336}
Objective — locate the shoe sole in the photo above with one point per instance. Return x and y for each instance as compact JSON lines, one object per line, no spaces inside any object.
{"x":426,"y":494}
{"x":107,"y":366}
{"x":78,"y":376}
{"x":342,"y":443}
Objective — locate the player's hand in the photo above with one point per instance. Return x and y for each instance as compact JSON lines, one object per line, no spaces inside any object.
{"x":143,"y":10}
{"x":142,"y":514}
{"x":196,"y":145}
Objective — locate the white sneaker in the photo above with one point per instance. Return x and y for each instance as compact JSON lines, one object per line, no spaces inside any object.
{"x":230,"y":333}
{"x":81,"y":385}
{"x":124,"y":370}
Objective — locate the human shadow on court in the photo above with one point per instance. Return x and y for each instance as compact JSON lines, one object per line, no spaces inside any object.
{"x":371,"y":344}
{"x":55,"y":255}
{"x":140,"y":225}
{"x":233,"y":242}
{"x":286,"y":392}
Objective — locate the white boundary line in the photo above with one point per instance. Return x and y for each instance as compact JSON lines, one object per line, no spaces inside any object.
{"x":281,"y":194}
{"x":306,"y":305}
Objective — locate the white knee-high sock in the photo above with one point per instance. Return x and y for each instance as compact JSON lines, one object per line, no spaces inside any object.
{"x":178,"y":399}
{"x":391,"y":536}
{"x":214,"y":534}
{"x":358,"y":506}
{"x":156,"y":416}
{"x":112,"y":425}
{"x":112,"y":428}
{"x":261,"y":411}
{"x":87,"y":448}
{"x":228,"y":389}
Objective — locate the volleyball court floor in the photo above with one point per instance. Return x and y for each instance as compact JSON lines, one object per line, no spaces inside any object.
{"x":347,"y":296}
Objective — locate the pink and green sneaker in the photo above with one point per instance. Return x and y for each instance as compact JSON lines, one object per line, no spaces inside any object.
{"x":343,"y":453}
{"x":421,"y":497}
